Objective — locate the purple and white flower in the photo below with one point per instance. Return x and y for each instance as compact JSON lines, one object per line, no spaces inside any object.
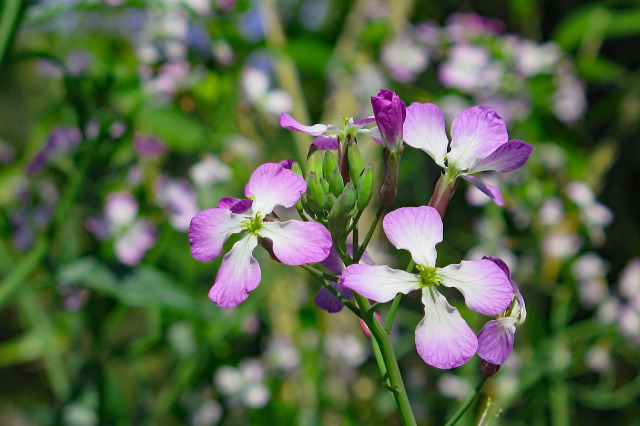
{"x":495,"y":340}
{"x":328,"y":135}
{"x":479,"y":143}
{"x":443,"y":338}
{"x":293,"y":242}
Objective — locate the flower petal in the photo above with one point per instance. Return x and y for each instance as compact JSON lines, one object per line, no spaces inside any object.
{"x":510,"y":156}
{"x":485,"y":287}
{"x":495,"y":340}
{"x":330,"y":303}
{"x":416,"y":229}
{"x":290,"y":123}
{"x":475,"y":133}
{"x":326,"y":142}
{"x":333,"y":262}
{"x":239,"y":274}
{"x":443,"y":338}
{"x":379,"y":283}
{"x":271,"y":185}
{"x":235,"y":205}
{"x":424,"y":129}
{"x":296,"y":242}
{"x":364,"y":121}
{"x":208,"y":231}
{"x":493,"y":192}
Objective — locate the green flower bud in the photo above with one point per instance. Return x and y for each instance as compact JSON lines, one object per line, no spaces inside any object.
{"x":315,"y":194}
{"x":365,"y":187}
{"x":340,"y":213}
{"x":295,"y":168}
{"x":329,"y":201}
{"x":329,"y":165}
{"x":314,"y":161}
{"x":336,"y":185}
{"x":325,"y":185}
{"x":355,"y":163}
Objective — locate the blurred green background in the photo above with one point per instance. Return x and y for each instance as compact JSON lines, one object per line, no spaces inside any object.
{"x":119,"y":120}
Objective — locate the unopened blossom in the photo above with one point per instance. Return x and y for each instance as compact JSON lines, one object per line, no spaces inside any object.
{"x":479,"y":143}
{"x":443,"y":339}
{"x":495,"y":340}
{"x":293,"y":242}
{"x":390,"y":113}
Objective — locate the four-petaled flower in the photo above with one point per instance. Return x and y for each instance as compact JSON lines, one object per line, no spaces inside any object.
{"x":495,"y":340}
{"x":479,"y":142}
{"x":443,"y":339}
{"x":328,"y":135}
{"x":293,"y":242}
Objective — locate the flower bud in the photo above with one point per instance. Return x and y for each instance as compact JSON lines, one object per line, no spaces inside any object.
{"x":355,"y":163}
{"x":295,"y":168}
{"x":336,"y":185}
{"x":488,"y":369}
{"x":329,"y":201}
{"x":390,"y":113}
{"x":314,"y":161}
{"x":325,"y":185}
{"x":365,"y":187}
{"x":329,"y":164}
{"x":341,"y":212}
{"x":315,"y":194}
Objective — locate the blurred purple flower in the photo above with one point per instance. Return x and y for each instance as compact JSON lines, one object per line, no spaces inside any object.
{"x":148,"y":146}
{"x":60,"y":141}
{"x":179,"y":199}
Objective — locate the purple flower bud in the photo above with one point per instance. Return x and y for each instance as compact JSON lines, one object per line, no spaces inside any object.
{"x":390,"y":113}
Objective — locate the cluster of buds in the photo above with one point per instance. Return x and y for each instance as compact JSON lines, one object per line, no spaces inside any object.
{"x":334,"y":197}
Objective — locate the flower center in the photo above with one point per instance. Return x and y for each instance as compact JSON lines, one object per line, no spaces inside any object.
{"x":254,"y":224}
{"x":428,"y":276}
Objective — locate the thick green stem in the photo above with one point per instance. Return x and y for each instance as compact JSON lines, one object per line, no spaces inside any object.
{"x":388,"y":356}
{"x":472,"y":396}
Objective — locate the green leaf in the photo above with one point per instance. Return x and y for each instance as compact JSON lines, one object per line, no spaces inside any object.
{"x":146,"y":287}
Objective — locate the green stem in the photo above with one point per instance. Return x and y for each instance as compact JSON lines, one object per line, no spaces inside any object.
{"x":392,"y":312}
{"x":9,"y":20}
{"x":472,"y":396}
{"x":367,"y":238}
{"x":389,"y":359}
